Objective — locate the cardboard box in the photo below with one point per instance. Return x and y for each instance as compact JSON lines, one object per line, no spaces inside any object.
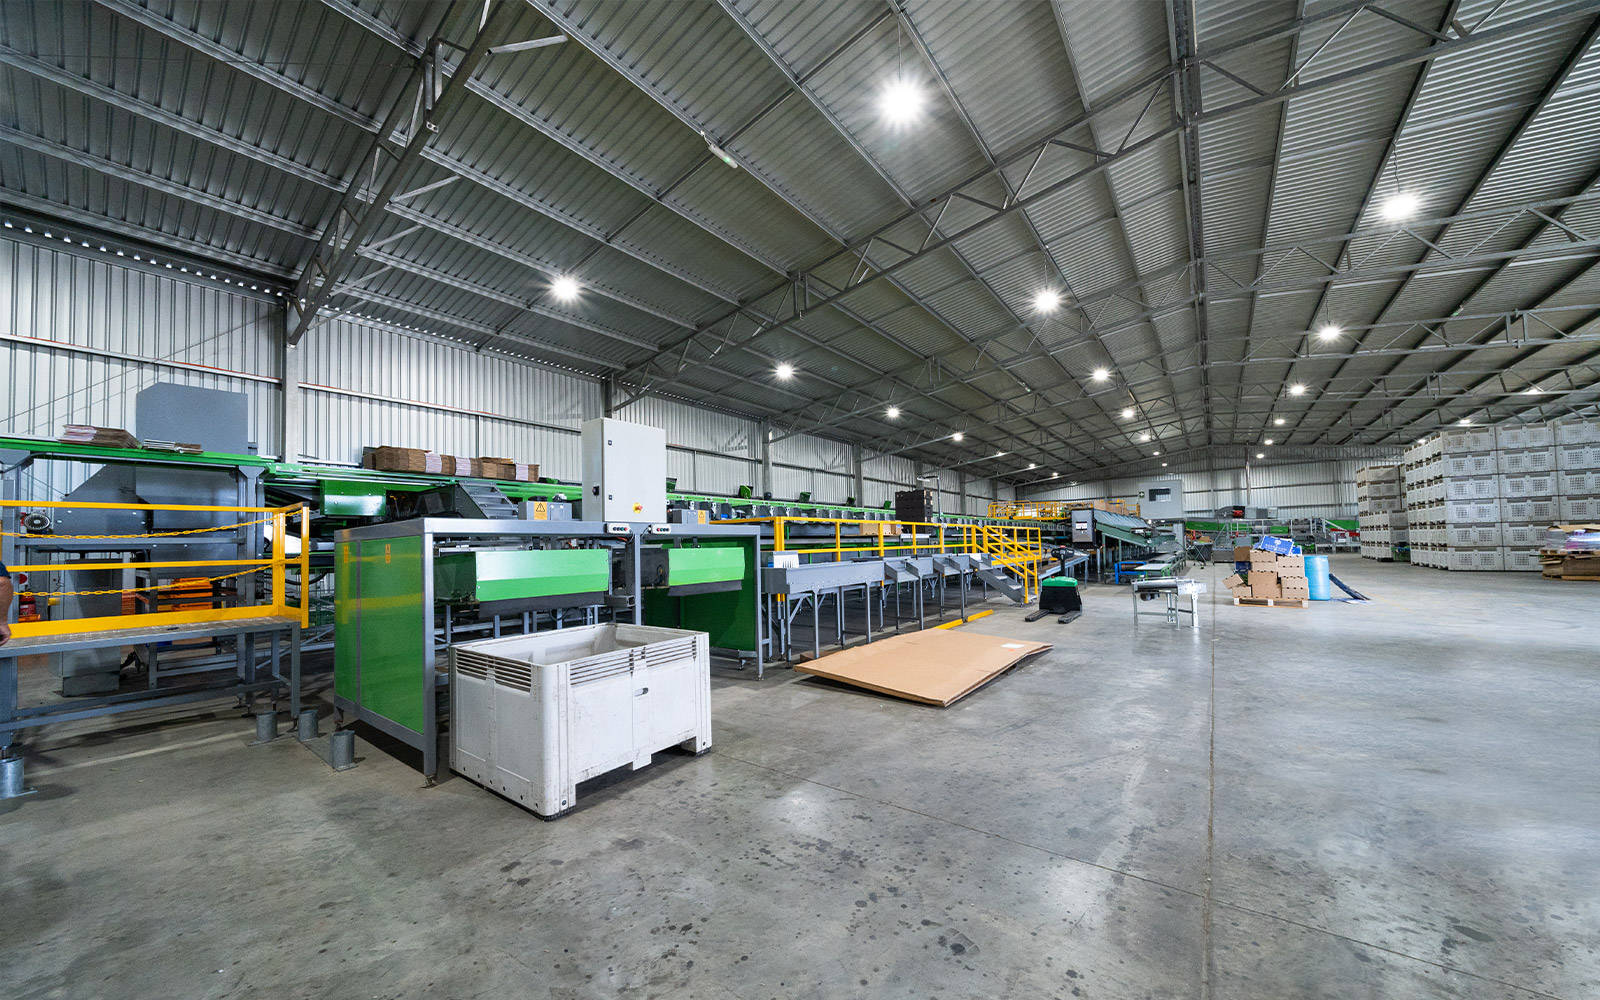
{"x":104,"y":437}
{"x":1263,"y":561}
{"x":1291,"y":565}
{"x":392,"y":459}
{"x":1243,"y":590}
{"x":1295,"y":587}
{"x":1234,"y":581}
{"x":1265,"y":585}
{"x":1241,"y":553}
{"x":497,"y":468}
{"x":1587,"y":564}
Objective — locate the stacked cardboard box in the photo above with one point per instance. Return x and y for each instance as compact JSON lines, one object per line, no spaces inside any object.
{"x":1272,"y":576}
{"x":391,"y":459}
{"x":1381,"y":507}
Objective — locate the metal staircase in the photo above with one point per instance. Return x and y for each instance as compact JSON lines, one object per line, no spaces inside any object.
{"x":1009,"y":565}
{"x":494,"y":504}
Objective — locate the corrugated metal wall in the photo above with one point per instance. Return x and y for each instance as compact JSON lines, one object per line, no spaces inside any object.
{"x":81,"y":335}
{"x":707,"y":451}
{"x":1298,"y":489}
{"x":366,"y":385}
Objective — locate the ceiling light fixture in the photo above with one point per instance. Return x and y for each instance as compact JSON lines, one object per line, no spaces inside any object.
{"x":901,"y":102}
{"x":1400,"y":206}
{"x":1145,"y":436}
{"x":785,"y":370}
{"x":1100,"y":374}
{"x":1277,"y":421}
{"x":1532,"y":390}
{"x":1297,"y":389}
{"x":1156,"y":454}
{"x":893,"y":413}
{"x":1046,"y":301}
{"x":1127,"y":413}
{"x":1268,"y":441}
{"x":719,"y":152}
{"x":1163,"y":465}
{"x":1053,"y":475}
{"x":1465,"y":421}
{"x":1261,"y":454}
{"x":1330,"y":331}
{"x":957,"y":436}
{"x":565,"y":288}
{"x":1033,"y":465}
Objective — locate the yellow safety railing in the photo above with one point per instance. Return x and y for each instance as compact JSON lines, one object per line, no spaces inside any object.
{"x":278,"y":565}
{"x":1008,"y":547}
{"x":1055,"y":510}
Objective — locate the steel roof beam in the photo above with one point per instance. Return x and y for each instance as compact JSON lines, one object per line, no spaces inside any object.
{"x":1551,"y":88}
{"x":354,"y":219}
{"x":1184,"y":44}
{"x":1287,"y":92}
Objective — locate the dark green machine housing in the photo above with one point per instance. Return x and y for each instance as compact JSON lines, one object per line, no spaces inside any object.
{"x":686,"y":571}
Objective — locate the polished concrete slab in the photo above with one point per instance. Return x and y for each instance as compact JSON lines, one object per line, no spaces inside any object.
{"x":1396,"y":799}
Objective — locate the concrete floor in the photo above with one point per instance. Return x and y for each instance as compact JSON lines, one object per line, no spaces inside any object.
{"x":1387,"y":800}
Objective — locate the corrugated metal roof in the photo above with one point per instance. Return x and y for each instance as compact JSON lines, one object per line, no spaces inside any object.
{"x":230,"y":129}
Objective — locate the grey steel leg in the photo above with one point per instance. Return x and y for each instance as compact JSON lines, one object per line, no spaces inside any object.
{"x":294,"y":671}
{"x":8,"y":700}
{"x":866,"y":603}
{"x":1135,"y":594}
{"x":816,"y":626}
{"x":838,"y":614}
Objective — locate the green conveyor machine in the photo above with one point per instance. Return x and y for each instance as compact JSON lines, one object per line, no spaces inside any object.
{"x":405,"y":590}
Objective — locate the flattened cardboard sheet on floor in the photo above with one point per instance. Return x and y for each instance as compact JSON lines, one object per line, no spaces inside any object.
{"x":935,"y":666}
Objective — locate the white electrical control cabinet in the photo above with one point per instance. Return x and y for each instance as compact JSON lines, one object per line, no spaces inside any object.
{"x":533,"y":715}
{"x":624,"y":471}
{"x":1161,"y":499}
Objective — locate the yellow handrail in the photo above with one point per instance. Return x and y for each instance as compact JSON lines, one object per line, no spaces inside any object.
{"x":1055,"y":510}
{"x":278,"y":564}
{"x":1015,"y":549}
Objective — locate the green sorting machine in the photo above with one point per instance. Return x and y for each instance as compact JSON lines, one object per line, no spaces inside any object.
{"x":404,"y":591}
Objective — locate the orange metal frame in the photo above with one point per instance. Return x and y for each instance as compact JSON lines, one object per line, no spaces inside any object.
{"x":279,"y":564}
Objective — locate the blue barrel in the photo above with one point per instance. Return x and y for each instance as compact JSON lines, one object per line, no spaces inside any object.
{"x":1317,"y":577}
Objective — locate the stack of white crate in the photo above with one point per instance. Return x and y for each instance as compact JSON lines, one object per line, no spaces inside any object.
{"x":1381,"y":506}
{"x":1453,"y":500}
{"x":1578,"y":471}
{"x":1481,"y":499}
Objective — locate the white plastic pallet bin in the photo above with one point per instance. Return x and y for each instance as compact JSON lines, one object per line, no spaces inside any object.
{"x":533,"y":715}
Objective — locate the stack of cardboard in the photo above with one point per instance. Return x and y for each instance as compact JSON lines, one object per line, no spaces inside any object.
{"x":1273,"y":576}
{"x":391,"y":459}
{"x":104,"y":437}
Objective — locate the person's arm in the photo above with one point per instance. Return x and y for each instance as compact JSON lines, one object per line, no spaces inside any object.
{"x":6,"y":594}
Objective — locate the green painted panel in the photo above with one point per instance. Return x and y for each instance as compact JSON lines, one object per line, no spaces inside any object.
{"x":390,"y":606}
{"x":509,"y":576}
{"x":704,"y":565}
{"x":728,"y":617}
{"x":346,"y":640}
{"x":346,"y":499}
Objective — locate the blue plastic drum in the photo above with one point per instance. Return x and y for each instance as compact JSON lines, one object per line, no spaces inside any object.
{"x":1317,"y":577}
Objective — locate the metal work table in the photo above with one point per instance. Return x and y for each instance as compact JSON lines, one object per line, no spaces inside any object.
{"x":245,"y":683}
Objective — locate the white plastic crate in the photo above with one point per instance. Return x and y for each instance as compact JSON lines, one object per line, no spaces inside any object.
{"x":1578,"y":432}
{"x":533,"y":715}
{"x":1482,"y":464}
{"x":1518,"y":560}
{"x":1525,"y":536}
{"x":1542,"y":510}
{"x":1466,"y":441}
{"x":1579,"y":482}
{"x":1578,"y":456}
{"x":1473,"y":488}
{"x":1472,"y":535}
{"x":1527,"y":460}
{"x":1533,"y":484}
{"x":1574,"y":509}
{"x":1514,"y":436}
{"x":1480,"y":560}
{"x":1472,"y":512}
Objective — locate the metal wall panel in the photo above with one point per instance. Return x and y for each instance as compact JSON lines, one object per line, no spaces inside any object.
{"x":80,"y":335}
{"x":365,"y":385}
{"x":1300,"y":489}
{"x":693,"y":427}
{"x":813,"y":452}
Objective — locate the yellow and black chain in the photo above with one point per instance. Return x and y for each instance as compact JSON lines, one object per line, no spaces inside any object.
{"x":153,"y":534}
{"x":131,"y":590}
